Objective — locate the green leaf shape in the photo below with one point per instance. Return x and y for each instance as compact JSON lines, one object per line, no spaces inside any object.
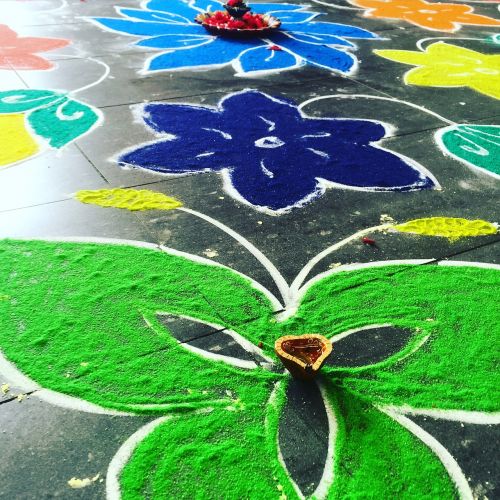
{"x":477,"y":145}
{"x":456,"y":307}
{"x":75,"y":323}
{"x":222,"y":454}
{"x":18,"y":101}
{"x":63,"y":121}
{"x":375,"y":457}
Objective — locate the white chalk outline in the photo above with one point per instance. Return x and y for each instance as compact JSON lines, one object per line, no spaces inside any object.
{"x":235,"y":63}
{"x":438,"y":137}
{"x":124,"y":453}
{"x":449,"y":463}
{"x":322,"y":184}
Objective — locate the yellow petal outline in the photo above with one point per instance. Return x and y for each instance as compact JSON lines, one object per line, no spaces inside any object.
{"x":16,"y":143}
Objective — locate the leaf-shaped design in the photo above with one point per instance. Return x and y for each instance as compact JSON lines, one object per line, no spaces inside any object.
{"x":381,"y":459}
{"x":452,"y":228}
{"x":453,"y":310}
{"x":229,"y":451}
{"x":18,"y":101}
{"x":130,"y":199}
{"x":215,"y":342}
{"x":63,"y":121}
{"x":476,"y":145}
{"x":16,"y":143}
{"x":368,"y":346}
{"x":95,"y":337}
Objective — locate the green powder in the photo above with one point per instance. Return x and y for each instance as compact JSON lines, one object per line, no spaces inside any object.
{"x":81,"y":319}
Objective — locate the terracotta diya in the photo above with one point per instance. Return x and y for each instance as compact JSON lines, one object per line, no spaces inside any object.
{"x":303,"y":355}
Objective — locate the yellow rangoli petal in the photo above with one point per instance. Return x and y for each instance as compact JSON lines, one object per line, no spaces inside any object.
{"x":16,"y":143}
{"x":448,"y":227}
{"x":130,"y":199}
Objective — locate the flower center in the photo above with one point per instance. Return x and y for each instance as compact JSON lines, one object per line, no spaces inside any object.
{"x":269,"y":142}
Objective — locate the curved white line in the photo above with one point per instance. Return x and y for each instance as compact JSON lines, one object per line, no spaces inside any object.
{"x":304,"y":272}
{"x":343,"y":335}
{"x":420,"y":43}
{"x":277,"y":277}
{"x":18,"y":379}
{"x":328,"y":476}
{"x":466,"y":417}
{"x":98,"y":81}
{"x":380,"y":98}
{"x":441,"y":452}
{"x":123,"y":455}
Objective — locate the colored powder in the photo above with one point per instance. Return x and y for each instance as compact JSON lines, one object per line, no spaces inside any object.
{"x":16,"y":143}
{"x":81,"y":319}
{"x":448,"y":227}
{"x":130,"y":199}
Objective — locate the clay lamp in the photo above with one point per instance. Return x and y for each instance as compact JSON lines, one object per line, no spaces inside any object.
{"x":303,"y":355}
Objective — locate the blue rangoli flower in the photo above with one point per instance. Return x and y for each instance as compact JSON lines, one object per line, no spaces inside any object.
{"x":270,"y":155}
{"x":168,"y":25}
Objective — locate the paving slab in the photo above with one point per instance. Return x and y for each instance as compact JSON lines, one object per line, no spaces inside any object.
{"x":395,"y":363}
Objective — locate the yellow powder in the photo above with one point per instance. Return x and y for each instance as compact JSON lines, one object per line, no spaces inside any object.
{"x":16,"y":142}
{"x":448,"y":227}
{"x":130,"y":199}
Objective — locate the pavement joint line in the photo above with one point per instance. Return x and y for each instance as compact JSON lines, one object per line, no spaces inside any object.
{"x":14,"y":398}
{"x":91,"y":163}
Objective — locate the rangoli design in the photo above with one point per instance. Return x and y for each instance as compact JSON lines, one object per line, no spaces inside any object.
{"x":435,"y":16}
{"x":168,"y":25}
{"x":446,"y":65}
{"x":34,"y":120}
{"x":22,"y":52}
{"x":283,"y":160}
{"x":475,"y":145}
{"x":218,"y":412}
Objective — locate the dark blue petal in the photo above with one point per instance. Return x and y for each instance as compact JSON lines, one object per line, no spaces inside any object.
{"x":154,"y":16}
{"x":326,"y":132}
{"x":319,"y":55}
{"x":276,"y":180}
{"x":264,"y":8}
{"x":187,"y":155}
{"x":259,"y":115}
{"x":342,"y":30}
{"x":263,"y":59}
{"x":179,"y":7}
{"x":173,"y":41}
{"x":370,"y":168}
{"x":320,"y":39}
{"x":216,"y":53}
{"x":143,"y":28}
{"x":180,"y":119}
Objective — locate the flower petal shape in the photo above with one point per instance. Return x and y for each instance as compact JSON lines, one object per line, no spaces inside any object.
{"x":219,"y":52}
{"x":64,"y":121}
{"x":475,"y":145}
{"x":318,"y":55}
{"x":422,"y":376}
{"x":178,"y":7}
{"x":144,"y":28}
{"x":340,"y":30}
{"x":19,"y":52}
{"x":177,"y":17}
{"x":16,"y":143}
{"x":283,"y":160}
{"x":20,"y":100}
{"x":174,"y":42}
{"x":155,"y":16}
{"x":447,"y":65}
{"x":261,"y":59}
